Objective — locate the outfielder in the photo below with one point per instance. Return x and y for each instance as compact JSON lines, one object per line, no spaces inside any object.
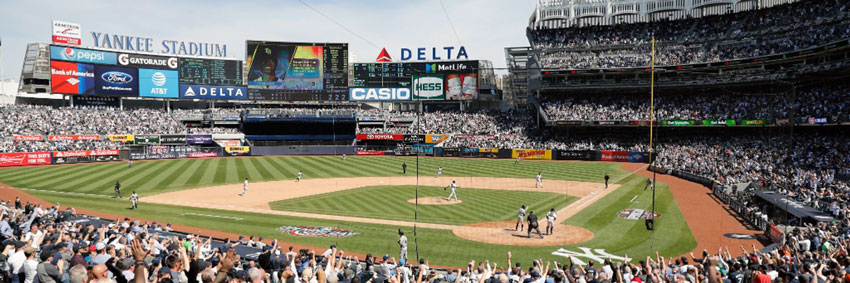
{"x":539,"y":180}
{"x":520,"y":219}
{"x":298,"y":178}
{"x":439,"y":172}
{"x":134,"y":198}
{"x":244,"y":187}
{"x":454,"y":191}
{"x":550,"y":221}
{"x":517,"y":160}
{"x":130,"y":164}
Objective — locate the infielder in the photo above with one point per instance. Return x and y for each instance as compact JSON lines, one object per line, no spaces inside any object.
{"x":117,"y":190}
{"x":454,"y":191}
{"x":402,"y":243}
{"x":244,"y":187}
{"x":130,"y":164}
{"x":550,"y":221}
{"x":343,"y":156}
{"x":298,"y":178}
{"x":517,"y":160}
{"x":134,"y":198}
{"x":439,"y":172}
{"x":520,"y":219}
{"x":648,"y":184}
{"x":539,"y":180}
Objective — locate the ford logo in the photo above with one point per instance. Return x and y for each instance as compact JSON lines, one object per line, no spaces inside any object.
{"x":117,"y":77}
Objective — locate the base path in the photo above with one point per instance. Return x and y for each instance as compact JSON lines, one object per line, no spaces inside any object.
{"x":435,"y":201}
{"x":503,"y":233}
{"x":708,"y":218}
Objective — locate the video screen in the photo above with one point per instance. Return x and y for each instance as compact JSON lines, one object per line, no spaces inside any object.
{"x":278,"y":69}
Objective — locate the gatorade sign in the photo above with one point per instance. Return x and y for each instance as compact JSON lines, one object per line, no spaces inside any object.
{"x":428,"y":87}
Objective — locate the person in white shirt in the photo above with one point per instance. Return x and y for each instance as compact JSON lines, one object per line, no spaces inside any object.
{"x":16,"y":262}
{"x":454,"y":191}
{"x":30,"y":265}
{"x":539,"y":180}
{"x":550,"y":221}
{"x":298,"y":178}
{"x":244,"y":188}
{"x":402,"y":243}
{"x":439,"y":172}
{"x":134,"y":199}
{"x":520,"y":219}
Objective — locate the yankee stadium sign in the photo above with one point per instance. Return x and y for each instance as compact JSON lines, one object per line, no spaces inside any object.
{"x":146,"y":44}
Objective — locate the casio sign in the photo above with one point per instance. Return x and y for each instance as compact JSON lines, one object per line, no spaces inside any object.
{"x":379,"y":94}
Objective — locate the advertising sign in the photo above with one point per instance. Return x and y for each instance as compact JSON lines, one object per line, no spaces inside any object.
{"x":637,"y":156}
{"x":121,"y":138}
{"x":74,"y":138}
{"x":414,"y":138}
{"x":677,"y":123}
{"x":576,"y":155}
{"x":199,"y":139}
{"x":615,"y":155}
{"x":158,"y":83}
{"x":28,"y":138}
{"x":435,"y":138}
{"x":378,"y":94}
{"x":428,"y":87}
{"x":71,"y":78}
{"x":202,"y":154}
{"x":817,"y":121}
{"x":381,"y":137}
{"x":213,"y":92}
{"x":462,"y":87}
{"x":718,"y":122}
{"x":370,"y":152}
{"x":67,"y":33}
{"x":120,"y":81}
{"x":28,"y":158}
{"x":147,"y":61}
{"x":544,"y":154}
{"x":146,"y":139}
{"x":758,"y":122}
{"x":237,"y":149}
{"x":460,"y":78}
{"x":434,"y":53}
{"x":172,"y":139}
{"x":79,"y":153}
{"x":72,"y":54}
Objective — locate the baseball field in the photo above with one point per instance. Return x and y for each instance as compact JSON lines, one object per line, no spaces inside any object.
{"x":366,"y":200}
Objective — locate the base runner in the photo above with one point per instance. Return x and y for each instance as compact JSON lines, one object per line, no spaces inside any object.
{"x":550,"y":221}
{"x":520,"y":219}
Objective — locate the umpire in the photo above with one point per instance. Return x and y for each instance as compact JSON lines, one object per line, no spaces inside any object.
{"x":532,"y":224}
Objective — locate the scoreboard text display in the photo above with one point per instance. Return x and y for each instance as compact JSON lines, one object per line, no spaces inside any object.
{"x":449,"y":80}
{"x":292,"y":71}
{"x":210,"y":71}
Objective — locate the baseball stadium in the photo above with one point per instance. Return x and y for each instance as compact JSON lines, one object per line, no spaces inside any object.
{"x":621,"y":141}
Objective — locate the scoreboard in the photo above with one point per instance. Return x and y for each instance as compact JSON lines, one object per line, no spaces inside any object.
{"x":210,"y":71}
{"x":374,"y":75}
{"x":293,"y":71}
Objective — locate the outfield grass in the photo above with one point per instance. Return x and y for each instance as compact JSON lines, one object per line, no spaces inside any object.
{"x":479,"y":205}
{"x":153,"y":177}
{"x":672,"y":236}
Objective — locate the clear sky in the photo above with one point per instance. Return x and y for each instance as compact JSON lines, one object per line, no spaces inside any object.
{"x":484,"y":27}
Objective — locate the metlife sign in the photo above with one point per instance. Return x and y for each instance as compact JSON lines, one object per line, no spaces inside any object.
{"x":82,"y":55}
{"x":213,"y":92}
{"x":158,"y":83}
{"x":379,"y":94}
{"x":147,"y":61}
{"x":428,"y":87}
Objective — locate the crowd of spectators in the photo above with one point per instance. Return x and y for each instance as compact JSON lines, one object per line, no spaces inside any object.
{"x":778,"y":29}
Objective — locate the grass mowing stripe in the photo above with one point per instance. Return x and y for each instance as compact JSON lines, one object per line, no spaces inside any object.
{"x":187,"y":173}
{"x":311,"y":169}
{"x":220,"y":171}
{"x":177,"y":170}
{"x":364,"y":167}
{"x":338,"y":166}
{"x":52,"y":179}
{"x":286,"y":168}
{"x":84,"y":183}
{"x":39,"y":173}
{"x":254,"y":163}
{"x":136,"y":180}
{"x":274,"y":168}
{"x":197,"y":176}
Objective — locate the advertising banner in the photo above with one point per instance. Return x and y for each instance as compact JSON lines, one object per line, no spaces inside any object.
{"x":82,"y":55}
{"x":758,"y":122}
{"x":428,"y":87}
{"x":637,"y":156}
{"x":26,"y":158}
{"x":172,"y":139}
{"x":370,"y":152}
{"x":203,"y":154}
{"x":575,"y":155}
{"x":380,"y":137}
{"x":607,"y":123}
{"x":615,"y":155}
{"x":817,"y":121}
{"x":79,"y":153}
{"x":121,"y":138}
{"x":237,"y":149}
{"x":74,"y":138}
{"x":544,"y":154}
{"x":432,"y":138}
{"x":71,"y":78}
{"x":462,"y":86}
{"x":413,"y":138}
{"x":213,"y":92}
{"x":119,"y":81}
{"x":147,"y":61}
{"x":226,"y":143}
{"x":146,"y":139}
{"x":379,"y":94}
{"x":639,"y":123}
{"x":67,"y":33}
{"x":29,"y":138}
{"x":199,"y":139}
{"x":95,"y":101}
{"x":488,"y":150}
{"x":677,"y":123}
{"x":718,"y":122}
{"x":68,"y":157}
{"x":158,"y":83}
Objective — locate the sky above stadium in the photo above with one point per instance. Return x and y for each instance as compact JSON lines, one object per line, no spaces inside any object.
{"x":484,"y":27}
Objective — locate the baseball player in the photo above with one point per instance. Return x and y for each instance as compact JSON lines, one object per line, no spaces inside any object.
{"x":648,"y":184}
{"x":130,"y":164}
{"x":402,"y":243}
{"x":298,"y":178}
{"x":404,"y":167}
{"x":454,"y":191}
{"x":539,"y":180}
{"x":439,"y":172}
{"x":117,"y":190}
{"x":343,"y":156}
{"x":244,"y":187}
{"x":550,"y":221}
{"x":517,"y":160}
{"x":134,"y":198}
{"x":606,"y":180}
{"x":520,"y":219}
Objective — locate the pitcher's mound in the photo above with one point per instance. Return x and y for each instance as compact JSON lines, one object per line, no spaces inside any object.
{"x":502,"y":233}
{"x":435,"y":201}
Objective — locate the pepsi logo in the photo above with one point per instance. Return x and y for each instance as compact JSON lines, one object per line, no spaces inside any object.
{"x":68,"y":53}
{"x":117,"y":77}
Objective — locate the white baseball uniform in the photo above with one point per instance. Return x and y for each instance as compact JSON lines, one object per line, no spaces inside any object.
{"x":244,"y":188}
{"x":520,"y":216}
{"x":454,"y":192}
{"x":439,"y":171}
{"x":298,"y":179}
{"x":551,"y":216}
{"x":539,"y":181}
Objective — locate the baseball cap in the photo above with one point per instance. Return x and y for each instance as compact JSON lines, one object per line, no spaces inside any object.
{"x":100,"y":246}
